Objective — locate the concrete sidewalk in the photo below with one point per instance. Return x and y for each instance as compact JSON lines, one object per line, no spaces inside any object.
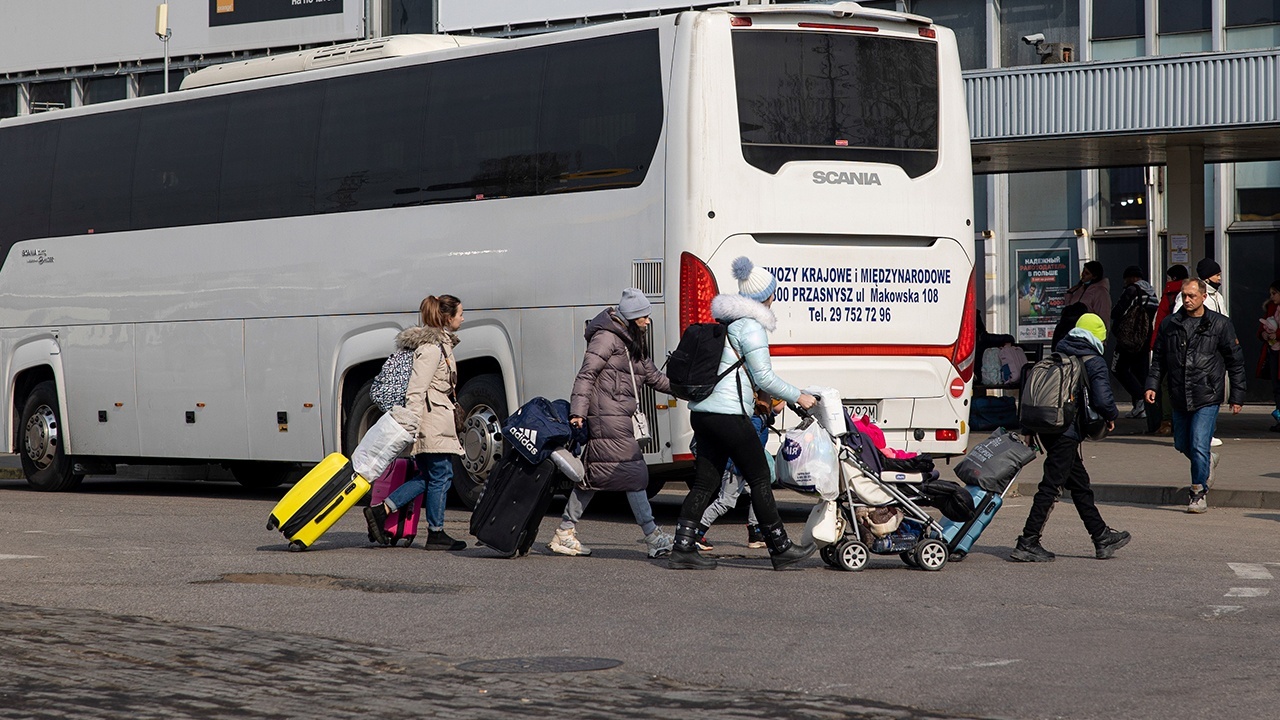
{"x":1132,"y":467}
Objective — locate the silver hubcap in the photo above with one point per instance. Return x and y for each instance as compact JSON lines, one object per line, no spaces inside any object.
{"x":481,"y":442}
{"x":41,"y":443}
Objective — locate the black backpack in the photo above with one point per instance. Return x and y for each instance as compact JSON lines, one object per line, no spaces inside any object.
{"x":1133,"y":329}
{"x":694,"y":366}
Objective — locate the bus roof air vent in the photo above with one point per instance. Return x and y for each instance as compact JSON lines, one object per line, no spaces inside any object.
{"x":839,"y":9}
{"x":328,"y":56}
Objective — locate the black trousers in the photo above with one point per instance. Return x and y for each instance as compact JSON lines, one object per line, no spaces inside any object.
{"x":721,"y":438}
{"x":1131,"y":370}
{"x":1063,"y":468}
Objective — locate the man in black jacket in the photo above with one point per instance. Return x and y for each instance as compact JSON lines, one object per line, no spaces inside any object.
{"x":1195,"y":349}
{"x":1063,"y":463}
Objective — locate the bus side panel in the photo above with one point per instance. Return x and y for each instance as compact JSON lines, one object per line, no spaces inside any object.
{"x":101,"y":391}
{"x":283,"y":377}
{"x":192,"y":390}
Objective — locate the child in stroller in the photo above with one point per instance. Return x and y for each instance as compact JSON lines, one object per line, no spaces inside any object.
{"x":881,"y":501}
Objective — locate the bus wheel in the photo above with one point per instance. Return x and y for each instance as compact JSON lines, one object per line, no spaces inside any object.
{"x":261,"y":475}
{"x":361,"y":416}
{"x":485,"y":401}
{"x":44,"y":461}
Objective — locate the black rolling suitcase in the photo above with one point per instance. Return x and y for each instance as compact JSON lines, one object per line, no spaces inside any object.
{"x":515,"y":498}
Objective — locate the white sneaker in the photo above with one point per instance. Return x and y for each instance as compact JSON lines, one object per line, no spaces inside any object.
{"x":566,"y":543}
{"x":1214,"y":442}
{"x":659,"y":543}
{"x":1199,"y":502}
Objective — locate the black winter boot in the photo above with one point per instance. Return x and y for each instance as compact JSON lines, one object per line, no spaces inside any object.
{"x":1028,"y":549}
{"x":782,"y":551}
{"x":684,"y":553}
{"x":376,"y":517}
{"x":1106,"y":544}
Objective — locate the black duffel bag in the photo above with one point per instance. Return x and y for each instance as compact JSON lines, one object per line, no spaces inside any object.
{"x":993,"y":463}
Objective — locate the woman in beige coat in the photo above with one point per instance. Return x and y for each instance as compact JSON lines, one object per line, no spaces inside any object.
{"x":431,"y":395}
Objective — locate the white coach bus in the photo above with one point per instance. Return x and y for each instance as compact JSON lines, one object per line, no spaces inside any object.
{"x":218,"y":273}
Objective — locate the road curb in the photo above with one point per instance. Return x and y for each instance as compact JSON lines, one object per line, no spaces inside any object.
{"x":1169,"y":495}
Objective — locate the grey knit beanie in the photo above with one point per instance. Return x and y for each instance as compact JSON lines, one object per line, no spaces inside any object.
{"x":633,"y":305}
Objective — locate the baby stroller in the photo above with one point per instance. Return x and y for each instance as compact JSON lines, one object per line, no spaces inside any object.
{"x":880,"y":504}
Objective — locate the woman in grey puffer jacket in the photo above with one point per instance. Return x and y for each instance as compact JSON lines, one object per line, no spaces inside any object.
{"x":606,"y":395}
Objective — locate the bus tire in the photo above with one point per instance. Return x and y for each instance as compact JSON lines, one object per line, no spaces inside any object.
{"x":261,"y":475}
{"x":485,"y":400}
{"x":44,"y":461}
{"x":361,"y":416}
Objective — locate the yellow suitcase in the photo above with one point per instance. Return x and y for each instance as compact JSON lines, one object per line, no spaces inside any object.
{"x":316,"y":502}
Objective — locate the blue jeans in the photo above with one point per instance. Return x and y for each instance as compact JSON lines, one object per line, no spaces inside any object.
{"x":579,"y":499}
{"x":439,"y":468}
{"x":1192,"y":431}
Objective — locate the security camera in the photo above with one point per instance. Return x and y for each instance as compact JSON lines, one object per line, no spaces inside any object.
{"x":1035,"y":39}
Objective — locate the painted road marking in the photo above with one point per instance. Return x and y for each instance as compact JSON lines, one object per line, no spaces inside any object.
{"x":1247,"y":592}
{"x":21,"y":557}
{"x":1217,"y":611}
{"x":1251,"y":571}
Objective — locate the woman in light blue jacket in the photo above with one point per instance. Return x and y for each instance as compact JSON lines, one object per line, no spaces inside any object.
{"x":722,"y":426}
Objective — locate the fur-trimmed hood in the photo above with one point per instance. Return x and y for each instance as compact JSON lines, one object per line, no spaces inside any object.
{"x":415,"y":337}
{"x":731,"y":306}
{"x":608,"y":321}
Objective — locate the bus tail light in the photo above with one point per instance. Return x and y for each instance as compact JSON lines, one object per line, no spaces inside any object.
{"x":739,"y":21}
{"x":967,"y":342}
{"x":697,"y":288}
{"x":928,"y":33}
{"x":947,"y":435}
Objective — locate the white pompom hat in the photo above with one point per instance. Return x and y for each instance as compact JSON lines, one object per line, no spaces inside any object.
{"x":753,"y":282}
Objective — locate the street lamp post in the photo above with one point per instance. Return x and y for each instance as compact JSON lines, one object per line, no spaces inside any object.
{"x":164,"y":33}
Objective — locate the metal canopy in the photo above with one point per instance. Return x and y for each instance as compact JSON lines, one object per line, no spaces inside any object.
{"x":1125,"y":113}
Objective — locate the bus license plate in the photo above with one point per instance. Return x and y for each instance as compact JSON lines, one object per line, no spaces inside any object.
{"x":858,"y":409}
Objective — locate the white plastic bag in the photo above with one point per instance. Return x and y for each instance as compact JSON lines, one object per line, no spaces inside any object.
{"x":382,"y":444}
{"x":825,"y":525}
{"x":829,"y":412}
{"x":807,"y":462}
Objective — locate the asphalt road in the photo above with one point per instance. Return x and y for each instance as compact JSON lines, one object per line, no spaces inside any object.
{"x":170,"y":599}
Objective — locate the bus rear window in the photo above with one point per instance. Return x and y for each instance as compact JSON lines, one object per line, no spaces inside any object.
{"x":836,"y":96}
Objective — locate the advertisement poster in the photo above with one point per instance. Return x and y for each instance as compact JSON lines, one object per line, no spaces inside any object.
{"x":238,"y":12}
{"x":1043,"y":277}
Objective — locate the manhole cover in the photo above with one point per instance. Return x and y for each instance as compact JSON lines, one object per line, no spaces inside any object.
{"x":539,"y":665}
{"x":331,"y":582}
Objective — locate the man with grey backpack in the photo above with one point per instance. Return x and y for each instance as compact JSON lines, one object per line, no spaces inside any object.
{"x":1065,"y":398}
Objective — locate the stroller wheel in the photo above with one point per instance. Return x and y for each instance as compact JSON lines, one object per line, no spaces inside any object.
{"x":931,"y":555}
{"x":828,"y":553}
{"x":852,"y":555}
{"x":908,"y":558}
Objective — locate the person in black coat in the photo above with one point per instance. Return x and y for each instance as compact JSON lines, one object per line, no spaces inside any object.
{"x":1063,"y":463}
{"x":1196,"y":350}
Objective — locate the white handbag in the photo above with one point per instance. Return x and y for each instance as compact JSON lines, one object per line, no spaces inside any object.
{"x":639,"y":421}
{"x":825,"y":525}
